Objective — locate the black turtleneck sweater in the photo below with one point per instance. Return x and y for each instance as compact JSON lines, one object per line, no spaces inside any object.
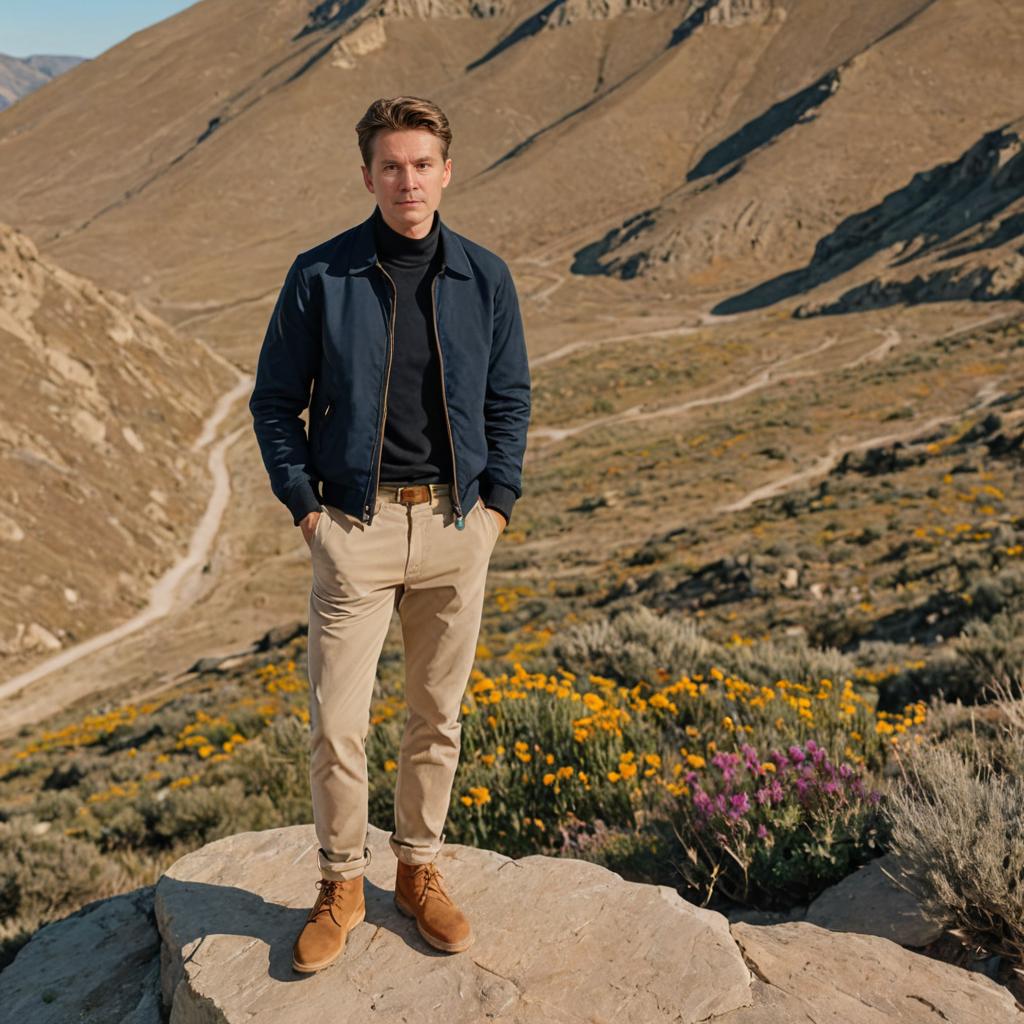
{"x":416,"y":448}
{"x":416,"y":445}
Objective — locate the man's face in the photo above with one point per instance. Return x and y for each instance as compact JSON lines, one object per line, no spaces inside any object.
{"x":407,"y":176}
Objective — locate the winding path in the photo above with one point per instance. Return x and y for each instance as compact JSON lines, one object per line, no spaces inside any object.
{"x":175,"y":587}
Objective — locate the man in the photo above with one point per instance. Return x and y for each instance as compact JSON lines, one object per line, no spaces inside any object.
{"x":411,"y":339}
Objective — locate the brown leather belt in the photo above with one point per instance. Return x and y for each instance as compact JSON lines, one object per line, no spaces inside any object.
{"x":412,"y":494}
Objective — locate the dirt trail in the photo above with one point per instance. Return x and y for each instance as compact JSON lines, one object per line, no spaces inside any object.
{"x":772,"y":373}
{"x":987,"y":394}
{"x":176,"y":587}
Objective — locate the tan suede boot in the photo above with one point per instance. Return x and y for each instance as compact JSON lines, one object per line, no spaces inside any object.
{"x":420,"y":893}
{"x":339,"y":908}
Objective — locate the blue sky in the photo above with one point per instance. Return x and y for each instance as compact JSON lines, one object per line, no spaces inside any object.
{"x":77,"y":27}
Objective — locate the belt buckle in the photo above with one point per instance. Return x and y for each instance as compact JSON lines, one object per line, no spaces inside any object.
{"x":417,"y":489}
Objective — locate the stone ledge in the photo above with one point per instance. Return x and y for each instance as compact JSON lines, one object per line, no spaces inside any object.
{"x":558,"y":940}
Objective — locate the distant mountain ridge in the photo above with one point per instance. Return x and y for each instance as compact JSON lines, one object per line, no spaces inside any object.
{"x":21,"y":75}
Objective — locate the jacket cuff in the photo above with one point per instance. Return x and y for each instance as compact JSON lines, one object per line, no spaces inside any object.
{"x":302,"y":501}
{"x":499,"y":497}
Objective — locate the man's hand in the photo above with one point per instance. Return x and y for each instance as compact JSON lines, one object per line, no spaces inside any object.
{"x":308,"y":527}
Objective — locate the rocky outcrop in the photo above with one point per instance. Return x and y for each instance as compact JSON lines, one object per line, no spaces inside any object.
{"x":819,"y":975}
{"x":100,"y":965}
{"x":558,"y":940}
{"x":869,"y":902}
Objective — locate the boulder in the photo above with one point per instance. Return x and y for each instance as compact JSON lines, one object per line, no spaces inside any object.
{"x":556,"y":940}
{"x":868,"y":901}
{"x":814,"y":974}
{"x":99,"y":965}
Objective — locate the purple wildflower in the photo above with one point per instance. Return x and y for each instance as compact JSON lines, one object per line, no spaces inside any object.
{"x":752,"y":760}
{"x":726,"y":763}
{"x":740,"y":805}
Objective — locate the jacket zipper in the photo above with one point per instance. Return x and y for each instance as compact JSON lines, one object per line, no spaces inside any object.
{"x":460,"y":521}
{"x":368,"y":509}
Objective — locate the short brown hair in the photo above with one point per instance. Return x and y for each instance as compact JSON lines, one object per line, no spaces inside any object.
{"x":401,"y":112}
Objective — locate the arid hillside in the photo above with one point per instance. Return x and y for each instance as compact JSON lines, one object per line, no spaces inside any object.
{"x":737,"y":152}
{"x":102,"y":404}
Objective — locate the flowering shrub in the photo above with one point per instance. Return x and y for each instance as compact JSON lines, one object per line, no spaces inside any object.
{"x":774,"y":833}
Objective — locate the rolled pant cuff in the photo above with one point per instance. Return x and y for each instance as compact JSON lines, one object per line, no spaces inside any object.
{"x":343,"y":870}
{"x":415,"y":855}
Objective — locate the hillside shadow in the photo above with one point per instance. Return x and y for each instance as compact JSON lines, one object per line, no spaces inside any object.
{"x":328,"y":15}
{"x":778,"y":119}
{"x":524,"y":30}
{"x":933,"y":207}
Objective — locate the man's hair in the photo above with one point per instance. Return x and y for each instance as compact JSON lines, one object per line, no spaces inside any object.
{"x":398,"y":113}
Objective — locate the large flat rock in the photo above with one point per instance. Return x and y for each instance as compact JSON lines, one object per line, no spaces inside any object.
{"x":557,"y":940}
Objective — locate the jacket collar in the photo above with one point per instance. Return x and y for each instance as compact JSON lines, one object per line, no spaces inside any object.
{"x":363,"y":253}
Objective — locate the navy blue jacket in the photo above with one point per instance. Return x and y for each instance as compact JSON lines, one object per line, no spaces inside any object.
{"x":332,"y":330}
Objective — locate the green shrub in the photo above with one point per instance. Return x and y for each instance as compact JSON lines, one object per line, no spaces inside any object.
{"x":984,"y":651}
{"x":45,"y":874}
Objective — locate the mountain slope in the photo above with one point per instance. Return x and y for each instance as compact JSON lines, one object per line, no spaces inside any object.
{"x":101,"y":403}
{"x":705,"y":145}
{"x":20,"y":76}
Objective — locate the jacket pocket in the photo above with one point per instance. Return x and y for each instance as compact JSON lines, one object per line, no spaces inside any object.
{"x":323,"y":426}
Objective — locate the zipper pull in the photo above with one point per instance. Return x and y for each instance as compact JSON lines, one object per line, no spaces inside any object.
{"x":460,"y":523}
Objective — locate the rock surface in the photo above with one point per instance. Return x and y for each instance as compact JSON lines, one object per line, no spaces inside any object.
{"x":843,"y":978}
{"x":557,"y":940}
{"x":100,"y":965}
{"x":870,"y":903}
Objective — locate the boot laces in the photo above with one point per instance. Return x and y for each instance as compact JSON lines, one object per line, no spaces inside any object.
{"x":330,"y":894}
{"x":432,"y":882}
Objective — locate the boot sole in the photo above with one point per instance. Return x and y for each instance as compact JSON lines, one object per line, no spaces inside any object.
{"x":447,"y":947}
{"x":313,"y":968}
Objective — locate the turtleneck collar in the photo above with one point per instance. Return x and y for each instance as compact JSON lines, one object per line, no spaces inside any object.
{"x":394,"y":247}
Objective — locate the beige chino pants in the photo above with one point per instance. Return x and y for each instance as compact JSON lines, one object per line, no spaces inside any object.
{"x":413,"y":558}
